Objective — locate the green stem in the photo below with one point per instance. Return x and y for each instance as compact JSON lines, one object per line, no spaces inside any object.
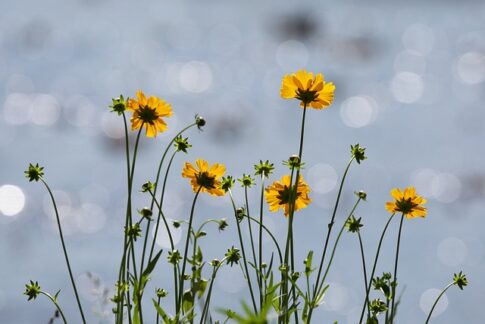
{"x":330,"y":226}
{"x":436,"y":301}
{"x":205,"y":310}
{"x":366,"y":301}
{"x":164,"y":182}
{"x":258,"y":273}
{"x":260,"y":241}
{"x":55,"y":303}
{"x":243,"y":252}
{"x":272,"y":237}
{"x":395,"y":270}
{"x":187,"y":241}
{"x":65,"y":250}
{"x":336,"y":243}
{"x":363,"y":266}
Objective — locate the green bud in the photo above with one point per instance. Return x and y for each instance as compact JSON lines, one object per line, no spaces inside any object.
{"x":358,"y":153}
{"x":32,"y":290}
{"x":34,"y":172}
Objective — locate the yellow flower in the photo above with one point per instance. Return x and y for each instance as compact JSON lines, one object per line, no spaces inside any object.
{"x":407,"y":202}
{"x":148,"y":113}
{"x":205,"y":178}
{"x":311,"y":90}
{"x":278,"y":195}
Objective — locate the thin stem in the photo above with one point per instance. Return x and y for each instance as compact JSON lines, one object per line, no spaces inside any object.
{"x":363,"y":265}
{"x":260,"y":241}
{"x":187,"y":241}
{"x":337,"y":241}
{"x":395,"y":270}
{"x":65,"y":250}
{"x":205,"y":310}
{"x":436,"y":301}
{"x":55,"y":303}
{"x":158,"y":315}
{"x":330,"y":226}
{"x":366,"y":301}
{"x":243,"y":252}
{"x":164,"y":181}
{"x":271,"y":235}
{"x":258,"y":274}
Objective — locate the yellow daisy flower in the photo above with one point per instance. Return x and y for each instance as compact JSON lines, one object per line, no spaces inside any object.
{"x":407,"y":202}
{"x":148,"y":113}
{"x":206,"y":178}
{"x":278,"y":195}
{"x":311,"y":90}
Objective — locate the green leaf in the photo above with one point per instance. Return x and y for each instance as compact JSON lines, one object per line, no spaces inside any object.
{"x":188,"y":301}
{"x":200,"y":287}
{"x":308,"y":264}
{"x":151,"y":265}
{"x":161,"y":312}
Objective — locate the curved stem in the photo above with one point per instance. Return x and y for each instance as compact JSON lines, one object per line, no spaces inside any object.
{"x":164,"y":181}
{"x":363,"y":266}
{"x":336,"y":243}
{"x":187,"y":241}
{"x":243,"y":252}
{"x":330,"y":226}
{"x":258,"y":274}
{"x":436,"y":301}
{"x":271,"y":235}
{"x":260,"y":241}
{"x":205,"y":309}
{"x":65,"y":250}
{"x":395,"y":270}
{"x":366,"y":301}
{"x":55,"y":303}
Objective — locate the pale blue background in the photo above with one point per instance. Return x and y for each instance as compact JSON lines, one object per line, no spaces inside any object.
{"x":410,"y":87}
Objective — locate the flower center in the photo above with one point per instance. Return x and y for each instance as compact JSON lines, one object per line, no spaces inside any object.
{"x":405,"y":206}
{"x":147,"y":114}
{"x":284,"y":196}
{"x":205,"y":180}
{"x":306,"y":96}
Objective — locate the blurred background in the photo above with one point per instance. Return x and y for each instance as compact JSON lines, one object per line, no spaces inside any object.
{"x":410,"y":87}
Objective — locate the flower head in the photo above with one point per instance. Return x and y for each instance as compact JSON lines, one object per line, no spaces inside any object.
{"x":161,"y":293}
{"x":353,"y":224}
{"x":205,"y":178}
{"x":264,"y":168}
{"x":358,"y":153}
{"x":118,"y":105}
{"x":181,"y":144}
{"x":311,"y":90}
{"x":148,"y":113}
{"x":199,"y":121}
{"x":233,"y":256}
{"x":32,"y":290}
{"x":279,"y":194}
{"x":246,"y":181}
{"x":34,"y":172}
{"x":460,"y":280}
{"x":227,"y":183}
{"x":407,"y":202}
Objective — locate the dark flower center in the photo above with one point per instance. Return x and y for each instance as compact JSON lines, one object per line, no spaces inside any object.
{"x":205,"y":180}
{"x":306,"y":96}
{"x":147,"y":114}
{"x":405,"y":206}
{"x":285,"y":196}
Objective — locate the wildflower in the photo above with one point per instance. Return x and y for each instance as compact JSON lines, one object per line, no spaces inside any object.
{"x":176,"y":224}
{"x":312,"y":91}
{"x":199,"y":121}
{"x":407,"y":202}
{"x":161,"y":293}
{"x":134,"y":231}
{"x":146,"y":213}
{"x":34,"y":172}
{"x":264,"y":168}
{"x":377,"y":306}
{"x":181,"y":144}
{"x":460,"y":280}
{"x":246,"y":181}
{"x":118,"y":105}
{"x":205,"y":178}
{"x":222,"y":224}
{"x":361,"y":194}
{"x":358,"y":153}
{"x":32,"y":290}
{"x":227,"y":183}
{"x":353,"y":224}
{"x":240,"y":214}
{"x":174,"y":257}
{"x":148,"y":113}
{"x":294,"y":163}
{"x":215,"y":263}
{"x":147,"y":187}
{"x":279,"y":195}
{"x":233,"y":256}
